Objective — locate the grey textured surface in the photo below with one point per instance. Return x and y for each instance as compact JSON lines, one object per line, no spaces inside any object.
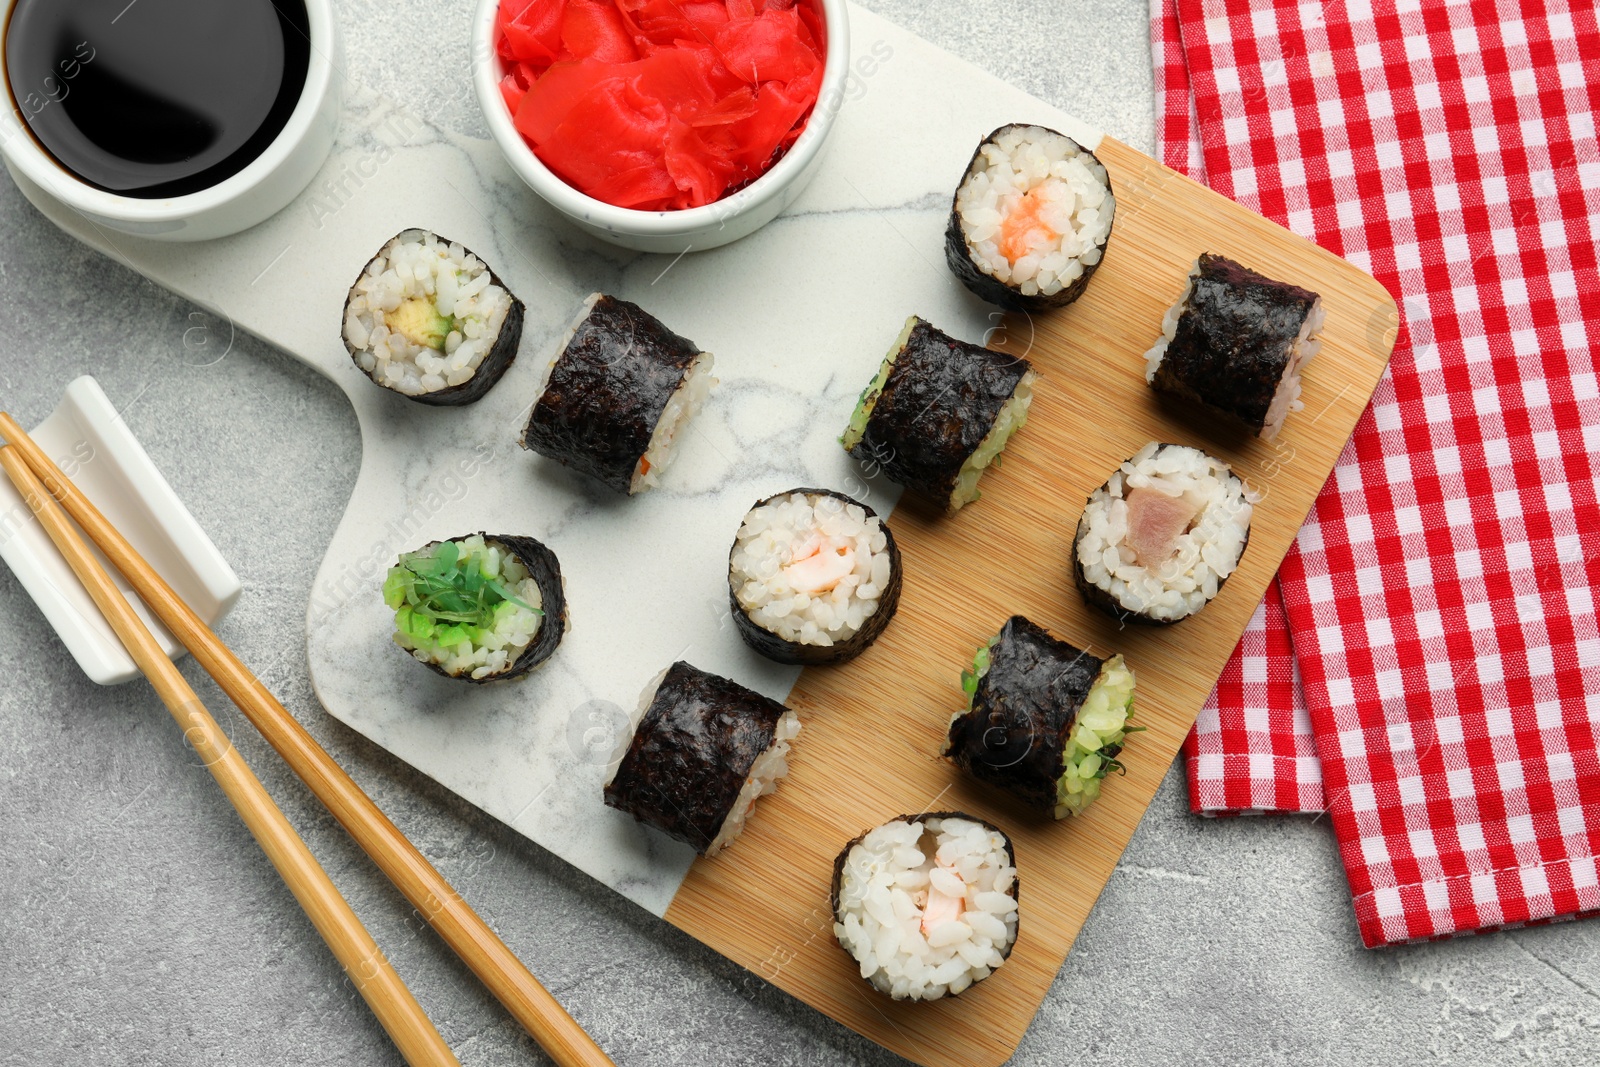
{"x":141,"y":924}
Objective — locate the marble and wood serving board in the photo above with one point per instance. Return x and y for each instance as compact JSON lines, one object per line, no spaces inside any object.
{"x":798,"y":317}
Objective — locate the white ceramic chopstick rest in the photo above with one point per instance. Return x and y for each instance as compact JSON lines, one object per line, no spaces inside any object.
{"x":94,"y":446}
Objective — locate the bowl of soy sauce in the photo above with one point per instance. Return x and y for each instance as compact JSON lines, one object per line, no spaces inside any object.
{"x":177,"y":120}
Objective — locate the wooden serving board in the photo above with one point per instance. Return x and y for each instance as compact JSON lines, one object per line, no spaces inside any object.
{"x":798,"y":324}
{"x":874,"y":726}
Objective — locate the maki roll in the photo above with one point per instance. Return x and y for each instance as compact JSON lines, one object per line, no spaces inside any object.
{"x":939,"y":412}
{"x":1044,"y":720}
{"x":813,"y":577}
{"x":616,"y":393}
{"x":1030,"y":219}
{"x":926,"y":904}
{"x":1236,"y":342}
{"x":703,"y":750}
{"x":430,"y":320}
{"x":481,"y":608}
{"x":1157,"y":541}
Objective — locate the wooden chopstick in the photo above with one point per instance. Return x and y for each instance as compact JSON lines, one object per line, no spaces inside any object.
{"x":434,"y":898}
{"x":329,"y":912}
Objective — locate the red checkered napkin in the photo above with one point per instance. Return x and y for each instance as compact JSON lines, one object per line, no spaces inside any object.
{"x":1441,"y":593}
{"x":1251,"y":749}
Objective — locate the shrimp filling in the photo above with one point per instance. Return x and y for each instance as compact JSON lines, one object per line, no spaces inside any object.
{"x":820,"y":563}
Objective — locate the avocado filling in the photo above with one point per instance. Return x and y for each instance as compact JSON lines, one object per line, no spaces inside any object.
{"x":418,"y":321}
{"x":980,"y":667}
{"x":1097,"y":739}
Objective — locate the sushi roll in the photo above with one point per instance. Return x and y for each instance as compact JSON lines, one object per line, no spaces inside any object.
{"x":1030,"y":219}
{"x":1043,"y":719}
{"x":939,"y":412}
{"x":616,"y":394}
{"x":813,"y":577}
{"x":1236,"y":342}
{"x":926,"y":905}
{"x":1157,"y":541}
{"x":481,"y":608}
{"x":430,"y":320}
{"x":703,"y":750}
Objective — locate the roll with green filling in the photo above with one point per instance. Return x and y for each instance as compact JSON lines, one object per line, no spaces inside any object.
{"x":1044,"y":720}
{"x":939,"y":412}
{"x":480,"y":608}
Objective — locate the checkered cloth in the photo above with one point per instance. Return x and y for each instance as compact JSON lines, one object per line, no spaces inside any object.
{"x":1441,"y":592}
{"x":1251,"y":749}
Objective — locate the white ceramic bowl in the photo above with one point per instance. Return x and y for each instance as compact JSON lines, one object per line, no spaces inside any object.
{"x":695,"y":228}
{"x":257,"y":192}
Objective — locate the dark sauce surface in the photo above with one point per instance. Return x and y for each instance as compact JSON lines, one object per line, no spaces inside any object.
{"x":156,"y":98}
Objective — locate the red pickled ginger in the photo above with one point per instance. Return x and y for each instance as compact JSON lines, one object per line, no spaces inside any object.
{"x":658,"y":104}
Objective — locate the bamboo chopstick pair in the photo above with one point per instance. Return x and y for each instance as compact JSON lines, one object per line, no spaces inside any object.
{"x":42,"y":485}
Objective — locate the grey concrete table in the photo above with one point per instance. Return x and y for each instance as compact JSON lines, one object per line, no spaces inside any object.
{"x":140,"y":924}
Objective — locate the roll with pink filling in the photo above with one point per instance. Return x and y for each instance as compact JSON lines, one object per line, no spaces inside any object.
{"x":1158,"y":540}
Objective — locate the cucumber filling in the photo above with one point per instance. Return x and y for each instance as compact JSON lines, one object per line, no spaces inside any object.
{"x":969,"y":686}
{"x":1011,"y":419}
{"x":857,"y":427}
{"x":1097,"y":739}
{"x":466,"y":606}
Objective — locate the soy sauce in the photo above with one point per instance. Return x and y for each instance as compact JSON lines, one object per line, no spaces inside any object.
{"x":156,"y":98}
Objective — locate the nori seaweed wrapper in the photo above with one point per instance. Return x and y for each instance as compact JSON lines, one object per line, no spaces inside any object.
{"x":545,"y":570}
{"x":607,"y":391}
{"x":691,"y":752}
{"x":494,"y":366}
{"x":940,"y":401}
{"x":1022,"y":715}
{"x":1234,"y":340}
{"x":986,"y":286}
{"x":844,"y":853}
{"x":777,"y":649}
{"x":1101,"y":600}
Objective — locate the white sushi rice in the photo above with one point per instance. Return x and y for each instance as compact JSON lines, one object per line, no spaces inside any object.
{"x":1201,"y":557}
{"x":1169,"y":326}
{"x":1287,"y":396}
{"x":761,"y":779}
{"x":927,"y":906}
{"x":810,"y":568}
{"x":646,"y":698}
{"x":424,"y":314}
{"x":566,"y":339}
{"x":1013,"y":414}
{"x":683,"y":406}
{"x":514,"y":627}
{"x":1022,"y":167}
